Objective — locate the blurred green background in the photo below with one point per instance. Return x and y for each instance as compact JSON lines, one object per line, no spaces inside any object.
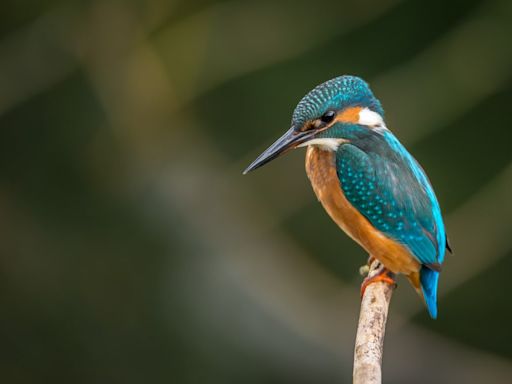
{"x":132,"y":249}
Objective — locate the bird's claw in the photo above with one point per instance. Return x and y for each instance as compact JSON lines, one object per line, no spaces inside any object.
{"x":383,"y":275}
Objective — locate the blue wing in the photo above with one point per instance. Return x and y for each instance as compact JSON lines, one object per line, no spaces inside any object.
{"x":384,"y":182}
{"x":387,"y":186}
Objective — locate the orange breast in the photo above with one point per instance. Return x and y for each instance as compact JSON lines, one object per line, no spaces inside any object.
{"x":321,"y":170}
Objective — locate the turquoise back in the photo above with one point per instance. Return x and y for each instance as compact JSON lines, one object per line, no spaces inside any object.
{"x":388,"y":187}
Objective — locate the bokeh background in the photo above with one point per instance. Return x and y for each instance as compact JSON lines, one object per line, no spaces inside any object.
{"x":132,"y":249}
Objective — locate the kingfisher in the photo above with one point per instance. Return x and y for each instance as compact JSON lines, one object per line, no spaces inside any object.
{"x":368,"y":182}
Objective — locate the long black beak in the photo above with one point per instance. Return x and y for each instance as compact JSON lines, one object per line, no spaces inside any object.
{"x":289,"y":140}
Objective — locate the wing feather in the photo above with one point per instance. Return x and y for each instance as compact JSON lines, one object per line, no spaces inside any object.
{"x":391,"y":190}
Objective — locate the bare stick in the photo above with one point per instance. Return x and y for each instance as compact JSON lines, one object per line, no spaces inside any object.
{"x":371,"y":329}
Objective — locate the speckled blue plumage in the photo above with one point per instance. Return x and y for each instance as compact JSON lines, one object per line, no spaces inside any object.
{"x":335,"y":94}
{"x":381,"y":179}
{"x":388,"y":187}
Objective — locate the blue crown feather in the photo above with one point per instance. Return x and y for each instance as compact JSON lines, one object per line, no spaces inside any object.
{"x":337,"y":93}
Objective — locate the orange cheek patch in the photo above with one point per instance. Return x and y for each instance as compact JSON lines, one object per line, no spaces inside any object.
{"x":349,"y":115}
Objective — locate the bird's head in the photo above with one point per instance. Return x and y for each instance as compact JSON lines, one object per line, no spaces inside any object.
{"x":327,"y":116}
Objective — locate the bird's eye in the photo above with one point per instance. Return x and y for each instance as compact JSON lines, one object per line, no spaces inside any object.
{"x":328,"y":116}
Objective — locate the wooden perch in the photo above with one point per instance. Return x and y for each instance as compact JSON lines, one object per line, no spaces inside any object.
{"x":371,"y":329}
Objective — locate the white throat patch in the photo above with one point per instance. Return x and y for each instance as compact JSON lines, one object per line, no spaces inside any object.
{"x":327,"y":144}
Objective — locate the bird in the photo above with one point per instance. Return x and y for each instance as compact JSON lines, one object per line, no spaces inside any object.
{"x":368,"y":182}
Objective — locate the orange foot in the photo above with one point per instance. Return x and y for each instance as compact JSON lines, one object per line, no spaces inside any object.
{"x":383,"y":275}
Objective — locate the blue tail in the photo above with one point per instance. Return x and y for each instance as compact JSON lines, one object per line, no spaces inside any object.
{"x":428,"y":280}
